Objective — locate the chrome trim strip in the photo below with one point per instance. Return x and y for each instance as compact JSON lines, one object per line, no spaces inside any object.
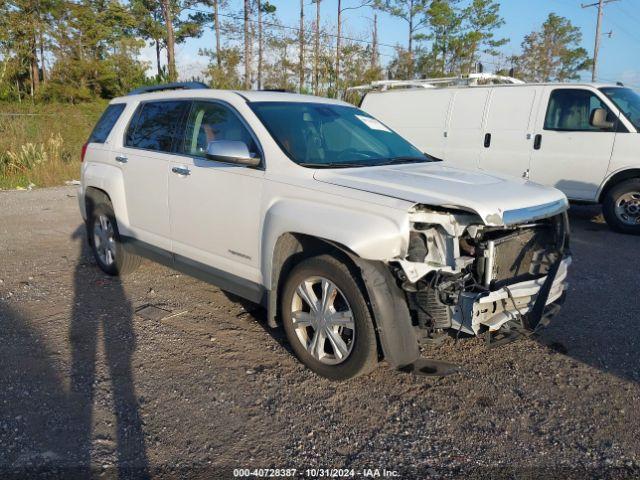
{"x":528,"y":214}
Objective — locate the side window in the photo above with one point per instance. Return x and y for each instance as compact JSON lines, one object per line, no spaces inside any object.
{"x":210,"y":121}
{"x":108,"y":119}
{"x":154,"y":125}
{"x":572,"y":110}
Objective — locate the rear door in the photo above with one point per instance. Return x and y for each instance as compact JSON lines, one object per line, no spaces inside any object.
{"x":214,"y":206}
{"x":569,"y":153}
{"x":144,"y":160}
{"x":464,"y":132}
{"x":507,"y":135}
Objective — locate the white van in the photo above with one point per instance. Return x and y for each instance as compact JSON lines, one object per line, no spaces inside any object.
{"x":580,"y":138}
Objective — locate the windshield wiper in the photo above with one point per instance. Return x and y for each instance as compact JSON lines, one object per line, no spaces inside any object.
{"x":333,"y":165}
{"x":398,"y":160}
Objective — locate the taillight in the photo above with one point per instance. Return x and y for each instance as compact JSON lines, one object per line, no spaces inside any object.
{"x":84,"y":152}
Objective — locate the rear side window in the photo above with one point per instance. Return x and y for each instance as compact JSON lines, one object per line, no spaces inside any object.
{"x":105,"y":124}
{"x":570,"y":110}
{"x":155,"y":124}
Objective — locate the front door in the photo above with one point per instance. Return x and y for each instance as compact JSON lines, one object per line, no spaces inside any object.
{"x":215,"y":207}
{"x":569,"y":153}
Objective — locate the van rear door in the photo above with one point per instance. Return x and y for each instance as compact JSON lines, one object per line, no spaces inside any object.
{"x":464,"y":132}
{"x":507,"y":136}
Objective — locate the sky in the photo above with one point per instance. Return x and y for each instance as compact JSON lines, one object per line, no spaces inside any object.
{"x":619,"y":55}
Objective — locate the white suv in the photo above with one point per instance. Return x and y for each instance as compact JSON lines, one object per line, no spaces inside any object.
{"x":359,"y":245}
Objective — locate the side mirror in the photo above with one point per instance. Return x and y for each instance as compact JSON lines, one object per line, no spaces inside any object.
{"x":599,"y":119}
{"x":231,"y":151}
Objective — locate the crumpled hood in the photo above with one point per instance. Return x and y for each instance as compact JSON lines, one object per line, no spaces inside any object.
{"x":497,"y":199}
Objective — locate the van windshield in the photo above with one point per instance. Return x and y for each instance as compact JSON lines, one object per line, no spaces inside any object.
{"x":320,"y":135}
{"x":626,"y":100}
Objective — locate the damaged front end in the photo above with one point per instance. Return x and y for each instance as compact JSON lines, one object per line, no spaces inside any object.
{"x":463,"y":275}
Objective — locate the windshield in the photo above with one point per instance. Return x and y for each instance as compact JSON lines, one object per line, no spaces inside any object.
{"x":321,"y":135}
{"x":626,"y":100}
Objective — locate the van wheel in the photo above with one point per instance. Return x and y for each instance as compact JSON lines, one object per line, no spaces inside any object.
{"x":108,"y":250}
{"x":327,"y":321}
{"x":621,"y":206}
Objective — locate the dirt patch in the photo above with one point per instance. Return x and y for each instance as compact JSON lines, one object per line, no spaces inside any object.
{"x":89,"y":384}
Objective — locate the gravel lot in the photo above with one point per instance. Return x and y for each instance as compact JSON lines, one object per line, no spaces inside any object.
{"x":90,"y":384}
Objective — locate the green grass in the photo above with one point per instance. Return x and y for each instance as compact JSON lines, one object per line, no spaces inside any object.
{"x":41,"y":145}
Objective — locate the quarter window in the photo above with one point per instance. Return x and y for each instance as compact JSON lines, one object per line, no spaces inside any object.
{"x":572,"y":110}
{"x":105,"y":124}
{"x":154,"y":125}
{"x":209,"y":122}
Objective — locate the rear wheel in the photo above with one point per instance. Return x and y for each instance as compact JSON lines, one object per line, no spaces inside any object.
{"x":110,"y":253}
{"x":621,"y":206}
{"x":327,"y":321}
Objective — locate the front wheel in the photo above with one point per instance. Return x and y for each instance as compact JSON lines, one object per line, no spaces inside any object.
{"x":621,"y":206}
{"x":327,"y":321}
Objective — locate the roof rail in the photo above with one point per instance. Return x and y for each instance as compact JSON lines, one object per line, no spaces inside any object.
{"x":169,"y":86}
{"x":468,"y":80}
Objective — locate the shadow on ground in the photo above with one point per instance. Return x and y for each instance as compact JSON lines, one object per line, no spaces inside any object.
{"x":47,"y":428}
{"x":598,"y":324}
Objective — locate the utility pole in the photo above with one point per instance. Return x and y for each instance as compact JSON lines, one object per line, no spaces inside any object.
{"x":596,"y":48}
{"x":301,"y":49}
{"x":316,"y":55}
{"x":374,"y":42}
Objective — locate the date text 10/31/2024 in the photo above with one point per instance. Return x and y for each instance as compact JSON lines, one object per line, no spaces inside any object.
{"x":315,"y":472}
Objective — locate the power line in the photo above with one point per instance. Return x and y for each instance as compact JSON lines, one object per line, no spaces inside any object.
{"x":294,"y":29}
{"x":596,"y":49}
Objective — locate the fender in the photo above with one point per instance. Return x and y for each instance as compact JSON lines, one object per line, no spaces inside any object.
{"x":371,"y":236}
{"x":109,"y":178}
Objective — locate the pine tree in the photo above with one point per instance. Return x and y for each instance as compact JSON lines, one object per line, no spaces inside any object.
{"x":553,"y":53}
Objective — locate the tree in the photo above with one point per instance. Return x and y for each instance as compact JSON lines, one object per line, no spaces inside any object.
{"x":445,"y":25}
{"x":414,"y":12}
{"x":95,"y":50}
{"x":553,"y":53}
{"x":223,"y":68}
{"x":316,"y":50}
{"x":481,"y":19}
{"x":301,"y":49}
{"x":24,"y":24}
{"x":166,"y":23}
{"x":341,"y":10}
{"x":265,"y":8}
{"x":247,"y":44}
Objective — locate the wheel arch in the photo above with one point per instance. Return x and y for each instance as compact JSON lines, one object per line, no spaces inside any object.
{"x":92,"y":197}
{"x":109,"y":180}
{"x":615,"y":179}
{"x":395,"y":335}
{"x":291,"y":248}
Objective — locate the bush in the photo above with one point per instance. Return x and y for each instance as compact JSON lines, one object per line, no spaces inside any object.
{"x":41,"y":144}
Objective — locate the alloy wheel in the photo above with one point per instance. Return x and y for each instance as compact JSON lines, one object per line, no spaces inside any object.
{"x":323,"y":320}
{"x":104,"y":239}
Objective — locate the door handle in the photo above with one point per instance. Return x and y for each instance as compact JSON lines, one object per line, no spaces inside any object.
{"x":487,"y":140}
{"x":121,"y":159}
{"x":181,"y":170}
{"x":537,"y":142}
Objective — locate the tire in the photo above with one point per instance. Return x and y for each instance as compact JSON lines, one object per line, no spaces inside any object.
{"x":621,"y":206}
{"x":120,"y":261}
{"x":358,"y":352}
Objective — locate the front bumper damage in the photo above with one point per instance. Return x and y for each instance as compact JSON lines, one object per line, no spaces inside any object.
{"x":478,"y":313}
